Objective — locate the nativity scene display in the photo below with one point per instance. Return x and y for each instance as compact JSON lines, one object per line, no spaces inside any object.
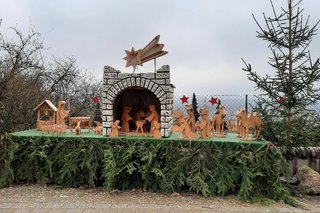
{"x":136,"y":111}
{"x":141,"y":104}
{"x":52,"y":120}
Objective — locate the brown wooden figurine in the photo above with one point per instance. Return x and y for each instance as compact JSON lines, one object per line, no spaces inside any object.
{"x":204,"y":125}
{"x":61,"y":113}
{"x":218,"y":122}
{"x":77,"y":129}
{"x":183,"y":126}
{"x":190,"y":118}
{"x":115,"y":129}
{"x":125,"y":119}
{"x":251,"y":121}
{"x":239,"y":127}
{"x":152,"y":116}
{"x":156,"y":129}
{"x":139,"y":121}
{"x":98,"y":129}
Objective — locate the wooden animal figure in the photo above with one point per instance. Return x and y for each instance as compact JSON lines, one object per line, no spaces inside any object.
{"x":115,"y":129}
{"x":156,"y":129}
{"x":48,"y":129}
{"x":77,"y":129}
{"x":218,"y":121}
{"x":191,"y":118}
{"x":251,"y":121}
{"x":152,"y":116}
{"x":125,"y":119}
{"x":60,"y":129}
{"x":204,"y":125}
{"x":239,"y":124}
{"x":98,"y":129}
{"x":183,"y":126}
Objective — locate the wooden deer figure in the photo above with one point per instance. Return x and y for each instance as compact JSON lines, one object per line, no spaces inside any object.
{"x":253,"y":121}
{"x":218,"y":121}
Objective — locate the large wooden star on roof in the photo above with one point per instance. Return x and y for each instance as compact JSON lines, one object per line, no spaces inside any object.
{"x":133,"y":58}
{"x":151,"y":51}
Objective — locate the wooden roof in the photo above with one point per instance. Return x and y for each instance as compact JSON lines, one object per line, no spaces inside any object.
{"x":49,"y":103}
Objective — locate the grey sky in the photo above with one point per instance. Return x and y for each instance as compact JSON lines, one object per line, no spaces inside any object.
{"x":205,"y":38}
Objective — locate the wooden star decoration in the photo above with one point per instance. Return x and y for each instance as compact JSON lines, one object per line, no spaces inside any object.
{"x":213,"y":101}
{"x":184,"y":99}
{"x":133,"y":58}
{"x":153,"y":50}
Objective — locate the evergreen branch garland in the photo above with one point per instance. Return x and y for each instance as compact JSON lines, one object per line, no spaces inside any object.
{"x":202,"y":167}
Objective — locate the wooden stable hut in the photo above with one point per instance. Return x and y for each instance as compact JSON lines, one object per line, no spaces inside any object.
{"x":46,"y":114}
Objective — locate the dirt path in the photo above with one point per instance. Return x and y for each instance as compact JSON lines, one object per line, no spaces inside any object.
{"x":36,"y":198}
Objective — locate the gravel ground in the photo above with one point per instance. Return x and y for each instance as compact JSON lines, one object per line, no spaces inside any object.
{"x":37,"y":198}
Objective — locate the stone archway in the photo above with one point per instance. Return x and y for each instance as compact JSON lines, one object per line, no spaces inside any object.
{"x":156,"y":84}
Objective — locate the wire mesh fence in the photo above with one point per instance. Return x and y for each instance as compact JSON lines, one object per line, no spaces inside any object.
{"x":232,"y":103}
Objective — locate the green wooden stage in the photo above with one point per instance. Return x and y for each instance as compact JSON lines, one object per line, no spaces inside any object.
{"x":230,"y":138}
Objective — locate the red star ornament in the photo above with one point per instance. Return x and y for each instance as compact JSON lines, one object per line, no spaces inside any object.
{"x":95,"y":99}
{"x":213,"y":101}
{"x":281,"y":100}
{"x":184,"y":99}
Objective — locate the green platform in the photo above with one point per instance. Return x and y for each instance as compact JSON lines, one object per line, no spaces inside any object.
{"x":230,"y":138}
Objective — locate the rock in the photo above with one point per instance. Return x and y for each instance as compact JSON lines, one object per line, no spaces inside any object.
{"x":309,"y":181}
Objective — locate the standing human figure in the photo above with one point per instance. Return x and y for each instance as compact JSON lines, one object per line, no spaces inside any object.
{"x":152,"y":116}
{"x":61,"y":113}
{"x":125,"y":119}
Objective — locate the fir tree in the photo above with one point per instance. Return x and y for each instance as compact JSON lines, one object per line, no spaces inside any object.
{"x":97,"y":114}
{"x":288,"y":94}
{"x":195,"y":107}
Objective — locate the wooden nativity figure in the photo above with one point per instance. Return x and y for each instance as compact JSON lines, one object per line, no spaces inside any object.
{"x":251,"y":121}
{"x":218,"y":121}
{"x":115,"y":129}
{"x":152,"y":116}
{"x":183,"y":126}
{"x":125,"y":119}
{"x":139,"y":121}
{"x":204,"y":125}
{"x":190,"y":117}
{"x":156,"y":129}
{"x":61,"y":113}
{"x":98,"y":129}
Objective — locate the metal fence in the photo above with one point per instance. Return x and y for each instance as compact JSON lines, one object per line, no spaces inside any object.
{"x":232,"y":103}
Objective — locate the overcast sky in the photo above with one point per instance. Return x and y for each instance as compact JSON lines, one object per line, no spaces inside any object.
{"x":206,"y":39}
